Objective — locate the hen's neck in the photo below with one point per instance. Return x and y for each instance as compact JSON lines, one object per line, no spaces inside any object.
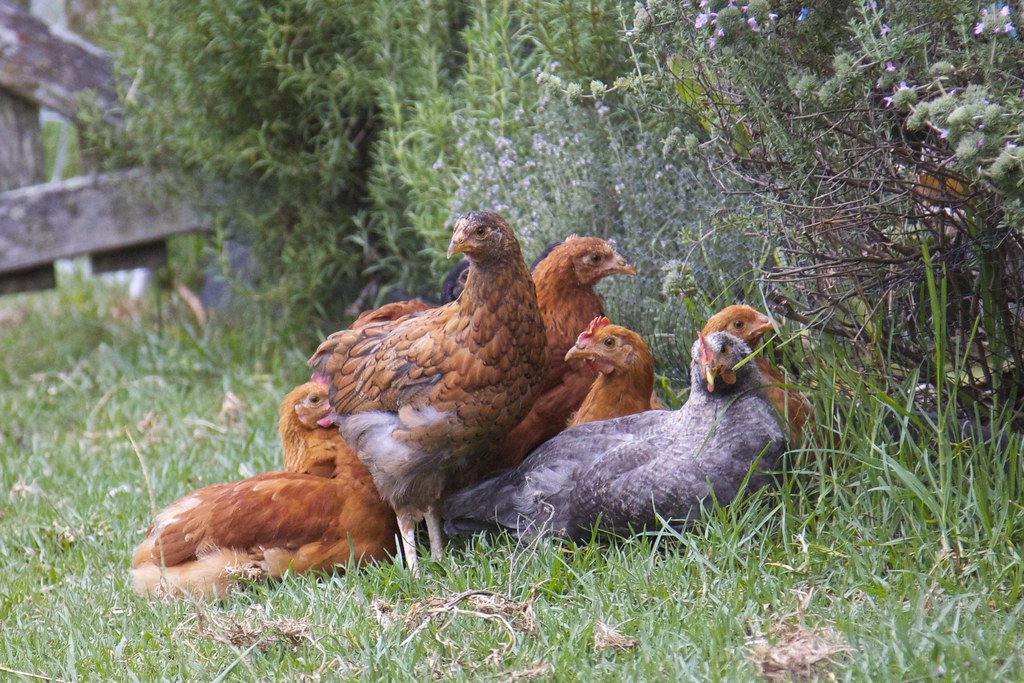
{"x":293,"y":440}
{"x":491,"y":287}
{"x":566,"y":306}
{"x":630,"y":389}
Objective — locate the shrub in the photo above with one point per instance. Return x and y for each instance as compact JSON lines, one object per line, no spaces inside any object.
{"x":885,"y":138}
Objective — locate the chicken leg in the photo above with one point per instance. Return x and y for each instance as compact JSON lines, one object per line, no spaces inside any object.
{"x":407,"y":520}
{"x":434,"y":531}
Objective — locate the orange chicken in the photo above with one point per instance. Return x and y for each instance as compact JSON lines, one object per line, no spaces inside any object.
{"x":271,"y":523}
{"x":625,"y":367}
{"x":565,"y":280}
{"x":750,"y":325}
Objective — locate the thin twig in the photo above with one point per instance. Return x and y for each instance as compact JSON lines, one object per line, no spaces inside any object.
{"x":28,"y":675}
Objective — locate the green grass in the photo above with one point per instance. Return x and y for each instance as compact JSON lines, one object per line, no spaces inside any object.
{"x":907,"y":546}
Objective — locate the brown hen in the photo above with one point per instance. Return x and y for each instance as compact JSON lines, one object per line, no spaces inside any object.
{"x":270,"y":523}
{"x":625,"y":367}
{"x":750,"y":325}
{"x":423,"y":399}
{"x":565,"y":281}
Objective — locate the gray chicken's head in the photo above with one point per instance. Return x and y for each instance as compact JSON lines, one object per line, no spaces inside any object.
{"x":715,"y":360}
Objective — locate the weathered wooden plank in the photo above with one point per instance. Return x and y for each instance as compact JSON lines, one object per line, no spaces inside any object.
{"x":21,"y":147}
{"x":53,"y":67}
{"x":87,"y":215}
{"x":28,"y":280}
{"x":149,"y":255}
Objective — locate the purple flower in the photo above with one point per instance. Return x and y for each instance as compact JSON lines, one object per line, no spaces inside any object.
{"x":889,"y":66}
{"x":719,"y":33}
{"x":803,"y":15}
{"x":979,"y":28}
{"x":772,"y":16}
{"x":754,"y":26}
{"x":888,"y":100}
{"x":885,"y":30}
{"x":943,"y":133}
{"x":1005,"y":10}
{"x":702,"y":19}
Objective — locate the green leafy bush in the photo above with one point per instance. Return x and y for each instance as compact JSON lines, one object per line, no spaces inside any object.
{"x":885,"y":140}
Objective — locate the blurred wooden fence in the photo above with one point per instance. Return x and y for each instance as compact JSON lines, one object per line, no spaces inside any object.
{"x":119,"y":219}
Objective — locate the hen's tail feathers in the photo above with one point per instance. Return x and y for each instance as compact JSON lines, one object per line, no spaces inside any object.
{"x":209,"y":576}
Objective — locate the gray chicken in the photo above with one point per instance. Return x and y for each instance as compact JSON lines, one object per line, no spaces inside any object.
{"x":626,"y":472}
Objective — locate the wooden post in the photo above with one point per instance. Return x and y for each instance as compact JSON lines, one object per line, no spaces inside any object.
{"x":21,"y":146}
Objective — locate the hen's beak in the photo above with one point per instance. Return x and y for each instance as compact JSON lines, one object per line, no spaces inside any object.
{"x":619,"y":265}
{"x":456,"y":245}
{"x":762,"y":325}
{"x":459,"y":235}
{"x":578,"y":351}
{"x":710,"y":372}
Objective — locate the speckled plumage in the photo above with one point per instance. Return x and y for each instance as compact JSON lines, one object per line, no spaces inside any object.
{"x":627,"y":471}
{"x":424,"y":398}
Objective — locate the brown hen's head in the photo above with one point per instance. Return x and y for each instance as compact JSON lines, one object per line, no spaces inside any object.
{"x":308,"y":404}
{"x":585,"y":260}
{"x":606,"y":348}
{"x":741,"y":321}
{"x":483,"y":237}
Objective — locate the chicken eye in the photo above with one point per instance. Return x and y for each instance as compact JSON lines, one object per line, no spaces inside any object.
{"x":738,"y":324}
{"x":609,"y":342}
{"x":314,"y":399}
{"x":481,"y":231}
{"x":595,"y":258}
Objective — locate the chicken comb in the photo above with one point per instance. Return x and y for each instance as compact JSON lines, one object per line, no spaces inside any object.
{"x":595,"y":325}
{"x":320,"y":379}
{"x":706,"y":357}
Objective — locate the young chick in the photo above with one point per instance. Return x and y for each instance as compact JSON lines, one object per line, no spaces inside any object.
{"x":424,"y":398}
{"x":627,"y":472}
{"x":565,"y":280}
{"x":750,"y":325}
{"x":270,"y":523}
{"x":625,"y":367}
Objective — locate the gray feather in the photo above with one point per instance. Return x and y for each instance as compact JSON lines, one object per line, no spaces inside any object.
{"x":626,"y":472}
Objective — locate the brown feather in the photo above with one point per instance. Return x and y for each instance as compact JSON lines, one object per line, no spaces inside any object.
{"x":625,"y":384}
{"x":565,"y":282}
{"x":421,"y":398}
{"x":750,"y":325}
{"x":272,"y":522}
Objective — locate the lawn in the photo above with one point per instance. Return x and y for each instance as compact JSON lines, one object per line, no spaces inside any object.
{"x":892,"y":554}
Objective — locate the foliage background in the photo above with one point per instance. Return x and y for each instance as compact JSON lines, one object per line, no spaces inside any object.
{"x":340,"y":138}
{"x":820,"y":159}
